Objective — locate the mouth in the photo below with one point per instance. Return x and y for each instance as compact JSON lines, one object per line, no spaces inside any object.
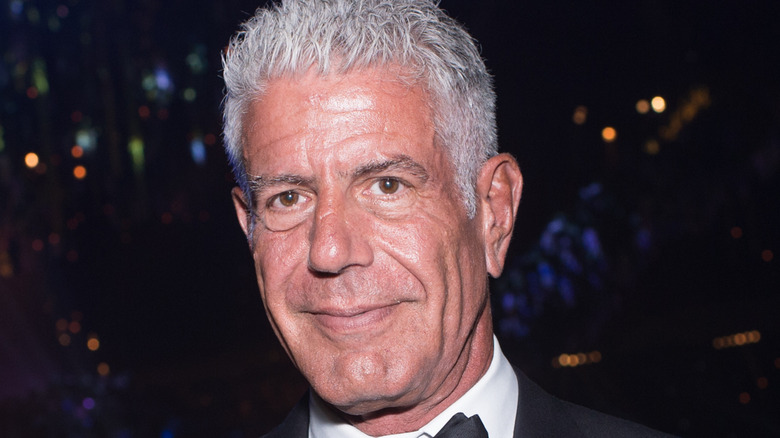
{"x":352,"y":321}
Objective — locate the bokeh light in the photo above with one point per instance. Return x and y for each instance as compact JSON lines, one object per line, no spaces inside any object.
{"x":576,"y":359}
{"x":31,"y":160}
{"x":609,"y":134}
{"x":103,"y":369}
{"x":80,"y":172}
{"x":737,"y":340}
{"x":652,"y":147}
{"x":642,"y":106}
{"x":74,"y":327}
{"x":64,"y":339}
{"x":93,"y":344}
{"x":88,"y":403}
{"x":580,"y":115}
{"x":37,"y":245}
{"x":658,"y":103}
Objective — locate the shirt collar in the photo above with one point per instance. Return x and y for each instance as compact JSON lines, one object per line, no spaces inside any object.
{"x":494,"y":398}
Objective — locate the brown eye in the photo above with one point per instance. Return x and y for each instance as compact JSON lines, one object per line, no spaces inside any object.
{"x":389,"y":186}
{"x":288,"y":199}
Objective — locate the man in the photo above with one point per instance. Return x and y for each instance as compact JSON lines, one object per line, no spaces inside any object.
{"x":362,"y":135}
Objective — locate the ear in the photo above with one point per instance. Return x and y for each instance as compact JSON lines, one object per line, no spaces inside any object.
{"x":499,"y":186}
{"x":242,"y":209}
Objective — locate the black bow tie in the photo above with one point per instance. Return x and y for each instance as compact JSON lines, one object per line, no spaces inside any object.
{"x":461,"y":427}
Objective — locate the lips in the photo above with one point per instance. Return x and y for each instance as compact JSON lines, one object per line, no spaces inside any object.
{"x":352,"y":321}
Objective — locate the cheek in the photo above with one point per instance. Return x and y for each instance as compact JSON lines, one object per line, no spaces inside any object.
{"x":443,"y":254}
{"x":278,"y":256}
{"x":422,"y":248}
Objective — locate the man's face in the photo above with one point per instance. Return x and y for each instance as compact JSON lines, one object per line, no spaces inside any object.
{"x":371,"y":273}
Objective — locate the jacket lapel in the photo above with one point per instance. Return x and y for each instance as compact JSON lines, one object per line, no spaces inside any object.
{"x":539,"y":414}
{"x":296,"y":424}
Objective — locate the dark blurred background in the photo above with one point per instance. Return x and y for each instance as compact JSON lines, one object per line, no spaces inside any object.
{"x":643,"y":278}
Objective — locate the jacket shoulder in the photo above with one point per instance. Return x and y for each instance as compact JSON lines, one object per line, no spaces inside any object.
{"x":296,"y":424}
{"x":597,"y":424}
{"x":540,"y":414}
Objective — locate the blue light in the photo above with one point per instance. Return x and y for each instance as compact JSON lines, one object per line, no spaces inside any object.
{"x":163,"y":79}
{"x":590,"y":191}
{"x":16,"y":8}
{"x":570,"y":262}
{"x":644,"y":239}
{"x":514,"y":327}
{"x":590,"y":239}
{"x":508,"y":302}
{"x":198,"y":151}
{"x":546,"y":275}
{"x":87,"y":139}
{"x":556,"y":225}
{"x":566,"y":290}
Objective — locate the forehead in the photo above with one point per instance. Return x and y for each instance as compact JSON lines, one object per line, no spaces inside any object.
{"x":312,"y":114}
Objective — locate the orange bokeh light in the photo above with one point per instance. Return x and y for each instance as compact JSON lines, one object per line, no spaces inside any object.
{"x":642,"y":106}
{"x":80,"y":172}
{"x":609,"y":134}
{"x":31,"y":160}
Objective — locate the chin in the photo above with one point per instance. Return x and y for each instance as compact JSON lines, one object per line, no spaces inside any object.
{"x":362,"y":395}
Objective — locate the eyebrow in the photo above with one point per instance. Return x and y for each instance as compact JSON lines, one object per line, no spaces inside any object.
{"x":398,"y":162}
{"x":258,"y":183}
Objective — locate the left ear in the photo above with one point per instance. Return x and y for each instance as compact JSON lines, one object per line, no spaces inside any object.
{"x":499,"y":186}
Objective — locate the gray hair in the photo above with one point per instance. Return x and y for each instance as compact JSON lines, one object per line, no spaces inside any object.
{"x":339,"y":36}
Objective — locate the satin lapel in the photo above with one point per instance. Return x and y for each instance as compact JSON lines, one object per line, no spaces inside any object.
{"x":539,"y":414}
{"x":296,"y":425}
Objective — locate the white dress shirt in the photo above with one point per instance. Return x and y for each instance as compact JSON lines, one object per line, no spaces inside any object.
{"x":494,"y":397}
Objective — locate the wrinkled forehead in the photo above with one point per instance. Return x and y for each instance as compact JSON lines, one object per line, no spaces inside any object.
{"x":394,"y":76}
{"x":360,"y":114}
{"x":305,"y":100}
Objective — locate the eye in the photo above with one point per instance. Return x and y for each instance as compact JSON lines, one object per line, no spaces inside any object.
{"x":387,"y":186}
{"x":285,"y":210}
{"x":285,"y":199}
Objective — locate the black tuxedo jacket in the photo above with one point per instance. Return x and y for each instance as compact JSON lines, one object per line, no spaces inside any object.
{"x":539,"y":414}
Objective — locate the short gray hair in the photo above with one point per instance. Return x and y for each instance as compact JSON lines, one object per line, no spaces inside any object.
{"x":339,"y":36}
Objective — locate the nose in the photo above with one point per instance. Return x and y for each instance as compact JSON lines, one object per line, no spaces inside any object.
{"x":335,"y":244}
